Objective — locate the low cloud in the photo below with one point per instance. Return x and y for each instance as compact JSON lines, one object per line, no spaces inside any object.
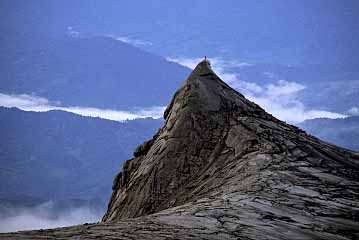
{"x":43,"y":216}
{"x":38,"y":104}
{"x":354,"y":111}
{"x":132,"y":41}
{"x":71,"y":32}
{"x":279,"y":99}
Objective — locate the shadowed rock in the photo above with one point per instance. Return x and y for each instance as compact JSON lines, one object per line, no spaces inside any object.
{"x":223,"y":168}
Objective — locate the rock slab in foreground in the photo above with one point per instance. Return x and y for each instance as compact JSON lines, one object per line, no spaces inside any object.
{"x":223,"y":168}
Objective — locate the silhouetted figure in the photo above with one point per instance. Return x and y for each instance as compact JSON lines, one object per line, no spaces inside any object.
{"x":206,"y":60}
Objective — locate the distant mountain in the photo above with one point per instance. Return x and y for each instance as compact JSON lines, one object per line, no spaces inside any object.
{"x":342,"y":132}
{"x":307,"y":31}
{"x":91,"y":72}
{"x":62,"y":156}
{"x":313,"y":44}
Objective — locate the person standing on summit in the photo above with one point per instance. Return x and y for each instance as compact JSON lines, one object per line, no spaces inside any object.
{"x":207,"y":61}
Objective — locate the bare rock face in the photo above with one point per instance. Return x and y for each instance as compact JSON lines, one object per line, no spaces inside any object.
{"x":201,"y":129}
{"x":229,"y":158}
{"x":223,"y":168}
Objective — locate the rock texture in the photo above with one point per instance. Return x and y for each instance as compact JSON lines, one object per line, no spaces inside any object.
{"x":223,"y":168}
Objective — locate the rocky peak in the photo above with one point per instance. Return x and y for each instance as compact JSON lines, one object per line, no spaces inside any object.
{"x":197,"y":123}
{"x":221,"y":156}
{"x":204,"y":90}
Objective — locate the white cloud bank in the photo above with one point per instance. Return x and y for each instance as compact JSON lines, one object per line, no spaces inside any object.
{"x":43,"y":217}
{"x":354,"y":111}
{"x":279,"y":99}
{"x":131,"y":40}
{"x":71,"y":32}
{"x":38,"y":104}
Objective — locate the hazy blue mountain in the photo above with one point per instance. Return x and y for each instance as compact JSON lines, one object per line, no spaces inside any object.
{"x":62,"y":156}
{"x":310,"y":42}
{"x":95,"y":72}
{"x":342,"y":132}
{"x":262,"y":31}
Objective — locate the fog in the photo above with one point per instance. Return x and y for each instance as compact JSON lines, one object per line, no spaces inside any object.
{"x":45,"y":216}
{"x":27,"y":102}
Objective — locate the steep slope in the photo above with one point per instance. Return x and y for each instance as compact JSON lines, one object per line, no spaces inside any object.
{"x":216,"y":144}
{"x":342,"y":132}
{"x":222,"y":168}
{"x":198,"y":121}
